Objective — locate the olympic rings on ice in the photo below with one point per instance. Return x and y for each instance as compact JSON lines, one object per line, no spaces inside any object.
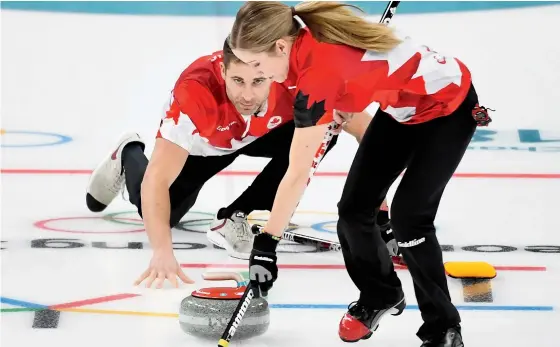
{"x":194,"y":221}
{"x":38,"y":138}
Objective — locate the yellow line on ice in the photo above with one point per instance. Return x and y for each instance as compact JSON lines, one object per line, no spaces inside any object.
{"x":118,"y":312}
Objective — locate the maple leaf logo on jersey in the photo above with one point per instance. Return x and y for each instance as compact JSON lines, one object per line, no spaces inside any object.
{"x":273,"y":122}
{"x":174,"y":112}
{"x":306,"y":114}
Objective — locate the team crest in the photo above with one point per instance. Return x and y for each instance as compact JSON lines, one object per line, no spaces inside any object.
{"x":273,"y":122}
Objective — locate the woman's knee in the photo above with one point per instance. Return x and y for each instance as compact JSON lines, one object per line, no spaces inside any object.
{"x":347,"y":208}
{"x":409,"y":220}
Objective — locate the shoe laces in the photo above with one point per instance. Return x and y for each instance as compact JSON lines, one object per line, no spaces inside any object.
{"x":359,"y":311}
{"x":119,"y":186}
{"x":242,"y":231}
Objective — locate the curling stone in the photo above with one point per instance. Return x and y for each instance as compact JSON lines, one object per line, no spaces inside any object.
{"x":207,"y":311}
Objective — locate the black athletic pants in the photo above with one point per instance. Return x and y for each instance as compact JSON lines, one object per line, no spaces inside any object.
{"x":198,"y":170}
{"x":430,"y":152}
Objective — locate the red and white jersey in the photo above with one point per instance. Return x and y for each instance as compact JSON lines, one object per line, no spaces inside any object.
{"x":201,"y":119}
{"x":412,"y":83}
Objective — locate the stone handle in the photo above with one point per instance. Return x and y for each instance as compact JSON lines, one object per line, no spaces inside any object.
{"x":223,"y":276}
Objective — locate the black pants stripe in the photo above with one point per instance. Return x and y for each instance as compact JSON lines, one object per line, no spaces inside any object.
{"x":198,"y":170}
{"x":430,"y":152}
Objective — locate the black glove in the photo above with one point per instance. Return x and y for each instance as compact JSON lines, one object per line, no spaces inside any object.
{"x":263,"y":270}
{"x":391,"y":244}
{"x":387,"y":235}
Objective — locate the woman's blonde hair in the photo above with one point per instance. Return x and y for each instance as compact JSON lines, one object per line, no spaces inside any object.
{"x":228,"y":56}
{"x":259,"y":24}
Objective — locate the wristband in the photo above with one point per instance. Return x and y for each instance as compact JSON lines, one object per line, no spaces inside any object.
{"x":266,"y":242}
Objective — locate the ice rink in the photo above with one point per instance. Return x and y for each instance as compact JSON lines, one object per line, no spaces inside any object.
{"x":73,"y":82}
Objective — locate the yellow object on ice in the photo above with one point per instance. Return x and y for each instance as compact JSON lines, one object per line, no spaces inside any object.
{"x":466,"y":269}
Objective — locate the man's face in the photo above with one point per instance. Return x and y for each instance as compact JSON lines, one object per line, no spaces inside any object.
{"x":246,"y":87}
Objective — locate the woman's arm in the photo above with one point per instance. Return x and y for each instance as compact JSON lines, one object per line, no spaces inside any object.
{"x":315,"y":96}
{"x":305,"y":143}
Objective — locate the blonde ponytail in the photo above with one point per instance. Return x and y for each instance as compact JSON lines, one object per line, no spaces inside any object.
{"x":259,"y":24}
{"x":333,"y":22}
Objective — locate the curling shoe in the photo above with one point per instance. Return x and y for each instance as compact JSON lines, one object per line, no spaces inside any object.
{"x":232,"y":233}
{"x":361,"y":321}
{"x":107,"y":180}
{"x":449,"y":338}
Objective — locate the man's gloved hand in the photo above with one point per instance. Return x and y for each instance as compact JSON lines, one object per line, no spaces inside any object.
{"x":389,"y":238}
{"x":392,"y":246}
{"x":263,"y":270}
{"x":387,"y":235}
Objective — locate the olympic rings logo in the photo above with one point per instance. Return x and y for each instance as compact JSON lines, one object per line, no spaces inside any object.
{"x":127,"y":222}
{"x":305,"y":222}
{"x":13,"y":138}
{"x":194,"y":221}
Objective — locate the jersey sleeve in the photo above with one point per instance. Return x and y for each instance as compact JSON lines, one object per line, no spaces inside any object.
{"x":191,"y":110}
{"x":316,"y":94}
